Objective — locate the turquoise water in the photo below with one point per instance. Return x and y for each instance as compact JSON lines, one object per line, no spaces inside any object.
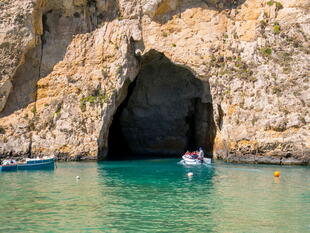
{"x":156,"y":196}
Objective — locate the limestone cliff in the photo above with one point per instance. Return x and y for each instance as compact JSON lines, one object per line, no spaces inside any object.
{"x":78,"y":77}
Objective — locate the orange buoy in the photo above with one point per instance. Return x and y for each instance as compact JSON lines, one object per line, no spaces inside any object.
{"x":276,"y":174}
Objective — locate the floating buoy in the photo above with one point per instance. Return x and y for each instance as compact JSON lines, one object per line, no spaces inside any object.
{"x":276,"y":174}
{"x":190,"y":174}
{"x":77,"y":177}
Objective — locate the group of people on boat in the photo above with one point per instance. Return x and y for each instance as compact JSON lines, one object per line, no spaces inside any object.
{"x":195,"y":154}
{"x":195,"y":158}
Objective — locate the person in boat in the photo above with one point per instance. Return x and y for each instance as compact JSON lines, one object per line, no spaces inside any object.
{"x":201,"y":154}
{"x":194,"y":155}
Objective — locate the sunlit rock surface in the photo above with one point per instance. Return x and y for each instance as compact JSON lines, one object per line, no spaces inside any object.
{"x":66,"y":66}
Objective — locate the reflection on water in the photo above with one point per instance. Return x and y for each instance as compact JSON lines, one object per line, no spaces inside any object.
{"x":159,"y":194}
{"x":156,"y":195}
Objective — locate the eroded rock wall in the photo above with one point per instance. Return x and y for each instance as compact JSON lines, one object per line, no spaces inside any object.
{"x":254,"y":54}
{"x":75,"y":76}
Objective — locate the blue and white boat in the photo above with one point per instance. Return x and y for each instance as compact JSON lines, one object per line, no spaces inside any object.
{"x":8,"y":165}
{"x":30,"y":164}
{"x":37,"y":164}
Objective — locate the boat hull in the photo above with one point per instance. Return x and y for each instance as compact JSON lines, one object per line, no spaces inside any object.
{"x":31,"y":164}
{"x":36,"y":166}
{"x":9,"y":168}
{"x":195,"y":161}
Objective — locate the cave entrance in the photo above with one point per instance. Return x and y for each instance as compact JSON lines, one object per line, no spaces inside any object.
{"x":167,"y":111}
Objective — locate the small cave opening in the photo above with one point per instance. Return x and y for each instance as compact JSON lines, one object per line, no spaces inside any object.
{"x":166,"y":112}
{"x":39,"y":61}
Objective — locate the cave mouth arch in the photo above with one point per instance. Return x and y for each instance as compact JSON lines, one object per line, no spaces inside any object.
{"x":166,"y":112}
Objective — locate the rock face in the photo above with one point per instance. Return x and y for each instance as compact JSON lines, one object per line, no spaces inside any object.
{"x":232,"y":76}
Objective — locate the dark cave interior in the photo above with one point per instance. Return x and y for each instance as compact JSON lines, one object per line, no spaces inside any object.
{"x":166,"y":112}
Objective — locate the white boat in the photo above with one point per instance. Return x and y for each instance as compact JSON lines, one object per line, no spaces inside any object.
{"x":194,"y":159}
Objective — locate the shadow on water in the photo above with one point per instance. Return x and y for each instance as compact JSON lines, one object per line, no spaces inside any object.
{"x":155,"y":173}
{"x":158,"y":191}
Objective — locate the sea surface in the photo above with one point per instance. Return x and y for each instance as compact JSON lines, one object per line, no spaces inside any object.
{"x":156,"y":196}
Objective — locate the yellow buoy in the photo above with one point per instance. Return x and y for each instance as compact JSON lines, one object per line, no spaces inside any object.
{"x":276,"y":174}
